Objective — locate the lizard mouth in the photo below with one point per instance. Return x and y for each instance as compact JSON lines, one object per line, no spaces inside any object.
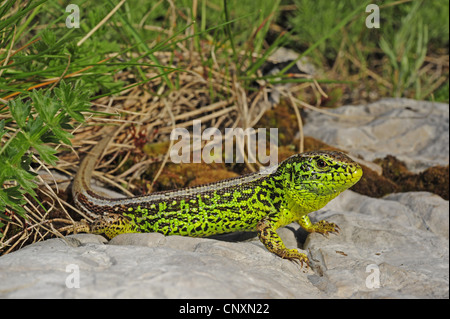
{"x":335,"y":183}
{"x":349,"y":179}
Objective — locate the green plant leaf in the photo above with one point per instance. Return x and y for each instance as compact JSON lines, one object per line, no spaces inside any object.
{"x":20,"y":111}
{"x":46,"y":152}
{"x":74,"y":100}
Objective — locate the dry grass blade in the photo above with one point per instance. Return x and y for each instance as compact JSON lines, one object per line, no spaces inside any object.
{"x":301,"y":146}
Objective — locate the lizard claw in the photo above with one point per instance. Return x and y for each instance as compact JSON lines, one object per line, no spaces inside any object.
{"x":299,"y":259}
{"x":325,"y":227}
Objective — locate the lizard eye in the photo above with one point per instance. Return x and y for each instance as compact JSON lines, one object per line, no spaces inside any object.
{"x":321,"y":163}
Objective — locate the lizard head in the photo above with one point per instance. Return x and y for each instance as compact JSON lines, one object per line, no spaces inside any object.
{"x":314,"y":178}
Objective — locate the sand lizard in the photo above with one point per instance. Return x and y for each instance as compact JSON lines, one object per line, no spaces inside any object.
{"x":260,"y":202}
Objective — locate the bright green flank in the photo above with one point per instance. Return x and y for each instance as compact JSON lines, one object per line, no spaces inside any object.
{"x":261,"y":202}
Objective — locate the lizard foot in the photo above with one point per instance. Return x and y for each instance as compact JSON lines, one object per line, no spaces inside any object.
{"x":295,"y":256}
{"x":77,"y":227}
{"x":324,"y":227}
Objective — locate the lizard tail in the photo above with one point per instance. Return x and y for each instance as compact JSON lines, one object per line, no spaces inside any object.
{"x":82,"y":180}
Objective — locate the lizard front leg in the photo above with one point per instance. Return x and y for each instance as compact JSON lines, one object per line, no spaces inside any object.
{"x":268,"y":236}
{"x":322,"y":226}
